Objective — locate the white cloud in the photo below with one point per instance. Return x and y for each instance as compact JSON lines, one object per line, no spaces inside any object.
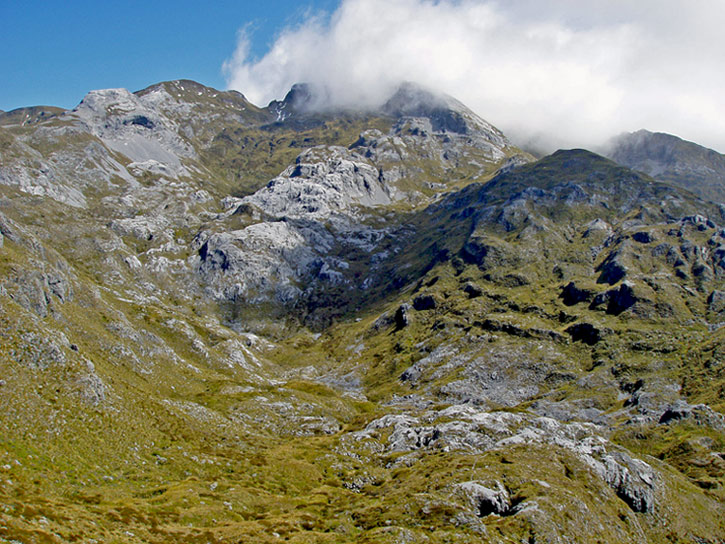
{"x":570,"y":72}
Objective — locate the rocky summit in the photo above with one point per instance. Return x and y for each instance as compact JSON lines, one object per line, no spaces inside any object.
{"x":225,"y":323}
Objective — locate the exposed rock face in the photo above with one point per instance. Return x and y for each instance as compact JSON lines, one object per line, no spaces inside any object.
{"x":613,"y":269}
{"x":323,"y":181}
{"x":486,"y":501}
{"x":135,"y":128}
{"x":264,"y":260}
{"x":699,"y":414}
{"x":633,"y":480}
{"x":716,"y":301}
{"x":444,"y":112}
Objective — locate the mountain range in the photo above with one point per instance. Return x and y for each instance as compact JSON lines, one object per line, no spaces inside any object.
{"x":226,"y":323}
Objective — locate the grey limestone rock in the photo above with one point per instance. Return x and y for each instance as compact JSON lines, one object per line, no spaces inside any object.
{"x":92,"y":388}
{"x":445,"y":115}
{"x":597,"y":226}
{"x":38,"y":291}
{"x":486,"y":500}
{"x":651,"y":399}
{"x":464,"y":428}
{"x":9,"y":230}
{"x":133,"y":126}
{"x":40,"y":351}
{"x":632,"y":479}
{"x":700,"y":414}
{"x":323,"y":181}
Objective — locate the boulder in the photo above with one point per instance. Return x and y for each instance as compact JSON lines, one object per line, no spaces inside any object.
{"x":643,"y":237}
{"x":585,"y":332}
{"x":424,"y":302}
{"x":616,"y":300}
{"x":402,"y":318}
{"x":473,"y":291}
{"x":571,"y":294}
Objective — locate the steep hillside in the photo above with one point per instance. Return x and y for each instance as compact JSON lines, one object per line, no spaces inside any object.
{"x":226,"y":323}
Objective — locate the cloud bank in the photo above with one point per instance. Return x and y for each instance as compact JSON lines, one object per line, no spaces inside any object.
{"x":564,"y":72}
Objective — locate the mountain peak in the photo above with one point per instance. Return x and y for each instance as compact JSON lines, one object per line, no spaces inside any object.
{"x":413,"y":100}
{"x":300,"y":99}
{"x":669,"y":158}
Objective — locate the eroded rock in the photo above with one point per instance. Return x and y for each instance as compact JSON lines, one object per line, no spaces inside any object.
{"x":486,"y":500}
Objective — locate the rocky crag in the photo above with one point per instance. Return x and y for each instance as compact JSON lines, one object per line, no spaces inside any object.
{"x":226,"y":323}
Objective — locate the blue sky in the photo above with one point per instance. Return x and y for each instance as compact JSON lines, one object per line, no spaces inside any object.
{"x":53,"y":52}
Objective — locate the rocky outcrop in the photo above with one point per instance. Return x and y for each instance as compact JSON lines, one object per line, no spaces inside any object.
{"x":616,"y":301}
{"x":613,"y":269}
{"x":486,"y":500}
{"x":473,"y":291}
{"x":716,"y":301}
{"x":586,"y":332}
{"x":135,"y":127}
{"x":699,"y":414}
{"x":425,"y":302}
{"x":634,"y":481}
{"x":571,"y":294}
{"x":322,"y":181}
{"x":402,"y":316}
{"x":445,"y":115}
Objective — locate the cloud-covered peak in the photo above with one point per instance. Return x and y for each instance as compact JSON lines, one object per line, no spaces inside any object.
{"x":564,"y":71}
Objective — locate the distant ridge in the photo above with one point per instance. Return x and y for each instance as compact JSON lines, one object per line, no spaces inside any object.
{"x":668,"y":158}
